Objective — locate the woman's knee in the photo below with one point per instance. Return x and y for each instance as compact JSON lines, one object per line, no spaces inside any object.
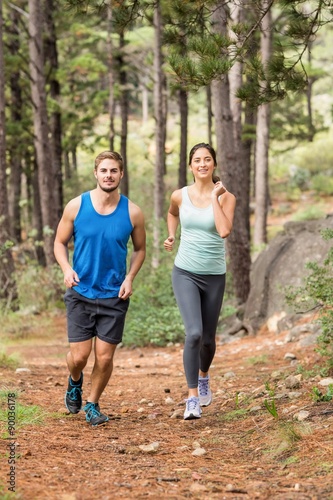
{"x":193,"y":339}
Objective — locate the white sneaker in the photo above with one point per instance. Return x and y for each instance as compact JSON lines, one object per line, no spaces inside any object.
{"x":192,"y":409}
{"x":205,"y":394}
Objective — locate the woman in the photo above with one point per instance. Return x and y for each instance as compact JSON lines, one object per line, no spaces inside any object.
{"x":205,"y":210}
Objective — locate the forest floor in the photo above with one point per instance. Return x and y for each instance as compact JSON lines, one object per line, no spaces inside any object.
{"x":237,"y":450}
{"x":258,"y":439}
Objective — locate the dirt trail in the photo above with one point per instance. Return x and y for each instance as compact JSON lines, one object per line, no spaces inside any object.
{"x":249,"y":454}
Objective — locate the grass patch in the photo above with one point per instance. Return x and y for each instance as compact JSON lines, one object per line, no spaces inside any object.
{"x":9,"y":361}
{"x":258,"y":360}
{"x":309,"y":213}
{"x":233,"y":415}
{"x":24,"y":415}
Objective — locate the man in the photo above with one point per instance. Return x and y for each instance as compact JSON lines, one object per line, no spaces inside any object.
{"x":101,"y":222}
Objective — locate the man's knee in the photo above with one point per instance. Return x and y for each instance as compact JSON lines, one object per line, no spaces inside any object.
{"x":79,"y":357}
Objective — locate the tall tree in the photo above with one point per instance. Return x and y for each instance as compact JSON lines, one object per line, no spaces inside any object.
{"x":235,"y":171}
{"x":109,"y":45}
{"x":8,"y":291}
{"x":51,"y":60}
{"x":15,"y":149}
{"x":262,"y":135}
{"x":160,"y":133}
{"x":41,"y":129}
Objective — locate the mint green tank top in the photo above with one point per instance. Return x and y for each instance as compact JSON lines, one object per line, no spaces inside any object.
{"x":201,"y":249}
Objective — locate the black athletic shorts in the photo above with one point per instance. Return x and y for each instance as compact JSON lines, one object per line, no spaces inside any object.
{"x":88,"y":318}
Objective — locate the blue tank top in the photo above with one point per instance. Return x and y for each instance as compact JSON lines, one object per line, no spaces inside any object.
{"x":201,"y":249}
{"x":100,"y":248}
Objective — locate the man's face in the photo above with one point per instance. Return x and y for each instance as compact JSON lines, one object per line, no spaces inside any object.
{"x":108,"y":175}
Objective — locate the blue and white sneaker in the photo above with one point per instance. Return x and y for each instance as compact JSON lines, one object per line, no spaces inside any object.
{"x":73,"y":396}
{"x":205,"y":394}
{"x":93,"y":414}
{"x":192,"y":409}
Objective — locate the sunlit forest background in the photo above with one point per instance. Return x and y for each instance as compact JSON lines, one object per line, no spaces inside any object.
{"x":150,"y":80}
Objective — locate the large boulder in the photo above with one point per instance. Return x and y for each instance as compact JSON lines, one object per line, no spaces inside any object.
{"x":283,"y":264}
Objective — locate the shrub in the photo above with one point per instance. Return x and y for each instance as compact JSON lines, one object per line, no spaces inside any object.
{"x":317,"y":292}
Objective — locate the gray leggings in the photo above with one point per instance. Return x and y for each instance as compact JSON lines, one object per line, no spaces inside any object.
{"x":199,"y":298}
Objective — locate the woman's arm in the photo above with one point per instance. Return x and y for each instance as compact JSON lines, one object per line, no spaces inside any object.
{"x":173,"y":219}
{"x":224,"y":204}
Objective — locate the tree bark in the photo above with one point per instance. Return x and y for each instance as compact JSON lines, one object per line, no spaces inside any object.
{"x":8,"y":290}
{"x":46,"y":180}
{"x":234,"y":171}
{"x":15,"y":152}
{"x":160,"y":133}
{"x":183,"y":110}
{"x":110,"y":75}
{"x":123,"y":114}
{"x":51,"y":57}
{"x":262,"y":140}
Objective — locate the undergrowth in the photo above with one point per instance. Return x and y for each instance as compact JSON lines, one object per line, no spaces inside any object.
{"x":317,"y":293}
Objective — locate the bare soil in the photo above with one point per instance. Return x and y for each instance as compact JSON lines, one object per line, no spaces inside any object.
{"x":249,"y":454}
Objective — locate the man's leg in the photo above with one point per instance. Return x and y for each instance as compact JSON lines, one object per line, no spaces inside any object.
{"x":77,"y":357}
{"x":100,"y":376}
{"x":102,"y":369}
{"x":76,"y":360}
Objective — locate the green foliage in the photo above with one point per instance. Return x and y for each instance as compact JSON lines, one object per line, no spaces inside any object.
{"x":322,"y":184}
{"x":8,"y":361}
{"x":39,"y":288}
{"x":318,"y":396}
{"x":270,"y":404}
{"x":310,"y":213}
{"x":317,"y":292}
{"x":153,"y":317}
{"x":233,"y":415}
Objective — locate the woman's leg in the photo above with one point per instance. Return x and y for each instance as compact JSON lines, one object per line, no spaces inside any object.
{"x":211,"y":304}
{"x":187,"y":295}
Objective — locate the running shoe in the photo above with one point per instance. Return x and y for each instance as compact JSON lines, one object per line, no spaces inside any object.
{"x":205,"y":394}
{"x":73,"y":396}
{"x":192,"y":409}
{"x":93,"y":414}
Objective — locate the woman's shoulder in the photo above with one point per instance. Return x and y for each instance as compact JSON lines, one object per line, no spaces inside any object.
{"x":177,"y":195}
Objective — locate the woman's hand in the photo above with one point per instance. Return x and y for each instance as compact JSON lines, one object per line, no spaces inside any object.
{"x":168,"y":243}
{"x":218,"y":189}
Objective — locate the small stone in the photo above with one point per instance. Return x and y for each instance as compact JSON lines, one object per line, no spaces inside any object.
{"x":198,"y":452}
{"x":177,"y":414}
{"x":326,"y":382}
{"x":292,"y":382}
{"x":150,"y":448}
{"x":302,"y":415}
{"x":290,"y":356}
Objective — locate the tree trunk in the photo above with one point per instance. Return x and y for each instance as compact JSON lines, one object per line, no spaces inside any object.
{"x":209,"y":114}
{"x":110,"y":74}
{"x":123,"y":114}
{"x":234,"y":171}
{"x":160,"y":132}
{"x":8,"y":291}
{"x":43,"y":149}
{"x":311,"y":128}
{"x":51,"y":57}
{"x":15,"y":152}
{"x":262,"y":140}
{"x":183,"y":109}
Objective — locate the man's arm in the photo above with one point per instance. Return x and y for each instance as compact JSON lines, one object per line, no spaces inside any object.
{"x":63,"y":235}
{"x":139,"y":250}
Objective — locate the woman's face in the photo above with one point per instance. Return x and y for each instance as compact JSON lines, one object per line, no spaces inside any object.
{"x":202,"y":164}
